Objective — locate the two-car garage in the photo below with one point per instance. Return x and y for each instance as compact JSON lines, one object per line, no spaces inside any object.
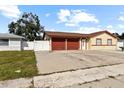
{"x":65,"y":44}
{"x":63,"y":40}
{"x":77,"y":41}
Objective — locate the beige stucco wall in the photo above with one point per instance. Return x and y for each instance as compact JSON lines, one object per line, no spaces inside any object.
{"x":104,"y":38}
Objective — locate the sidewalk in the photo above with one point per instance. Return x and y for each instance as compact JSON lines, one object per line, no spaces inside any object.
{"x":100,"y":75}
{"x":66,"y":79}
{"x":117,"y":82}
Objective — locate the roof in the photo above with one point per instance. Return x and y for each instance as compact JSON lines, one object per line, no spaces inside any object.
{"x":63,"y":34}
{"x":101,"y":32}
{"x":7,"y":35}
{"x":76,"y":35}
{"x":121,"y":38}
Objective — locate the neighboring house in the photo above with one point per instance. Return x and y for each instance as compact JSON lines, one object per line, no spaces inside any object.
{"x":120,"y":43}
{"x":10,"y":42}
{"x":74,"y":41}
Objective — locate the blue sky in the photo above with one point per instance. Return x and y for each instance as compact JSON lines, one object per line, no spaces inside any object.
{"x":71,"y":18}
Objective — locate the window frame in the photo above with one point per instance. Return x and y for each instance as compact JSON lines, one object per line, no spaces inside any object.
{"x":98,"y":44}
{"x":4,"y":42}
{"x":109,"y":44}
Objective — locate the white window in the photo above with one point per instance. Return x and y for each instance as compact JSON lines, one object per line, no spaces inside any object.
{"x":98,"y":41}
{"x":4,"y":42}
{"x":109,"y":42}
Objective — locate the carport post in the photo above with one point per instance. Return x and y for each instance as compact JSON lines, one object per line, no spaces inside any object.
{"x":80,"y":43}
{"x":66,"y":44}
{"x":50,"y":44}
{"x":86,"y":44}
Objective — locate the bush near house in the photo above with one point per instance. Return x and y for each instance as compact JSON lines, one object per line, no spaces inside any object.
{"x":16,"y":64}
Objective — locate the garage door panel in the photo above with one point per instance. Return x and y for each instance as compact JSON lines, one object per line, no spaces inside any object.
{"x":73,"y":44}
{"x":58,"y":44}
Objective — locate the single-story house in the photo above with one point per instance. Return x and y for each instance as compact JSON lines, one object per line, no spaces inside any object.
{"x":74,"y":41}
{"x":10,"y":42}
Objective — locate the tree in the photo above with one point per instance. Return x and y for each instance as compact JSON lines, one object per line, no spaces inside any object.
{"x":116,"y":34}
{"x":28,"y":26}
{"x":122,"y":34}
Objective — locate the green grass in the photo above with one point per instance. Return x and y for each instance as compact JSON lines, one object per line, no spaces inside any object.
{"x":12,"y":61}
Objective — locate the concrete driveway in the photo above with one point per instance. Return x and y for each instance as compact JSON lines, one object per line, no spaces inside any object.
{"x":51,"y":62}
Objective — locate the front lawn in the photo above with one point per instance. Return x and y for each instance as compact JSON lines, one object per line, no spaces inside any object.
{"x":16,"y":64}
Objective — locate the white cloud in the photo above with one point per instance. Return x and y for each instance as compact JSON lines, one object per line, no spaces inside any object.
{"x":74,"y":17}
{"x":10,"y":11}
{"x":48,"y":14}
{"x":121,"y":18}
{"x":111,"y":30}
{"x":62,"y":15}
{"x":95,"y":29}
{"x":121,"y":26}
{"x":121,"y":12}
{"x":109,"y":27}
{"x":71,"y":24}
{"x":89,"y":29}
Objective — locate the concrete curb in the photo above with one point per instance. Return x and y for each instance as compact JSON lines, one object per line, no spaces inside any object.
{"x":80,"y":76}
{"x":64,"y":79}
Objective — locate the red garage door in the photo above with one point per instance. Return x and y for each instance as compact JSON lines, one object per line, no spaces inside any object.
{"x":72,"y":44}
{"x":58,"y":44}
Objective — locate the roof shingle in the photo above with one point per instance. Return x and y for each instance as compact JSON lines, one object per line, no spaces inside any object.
{"x":7,"y":35}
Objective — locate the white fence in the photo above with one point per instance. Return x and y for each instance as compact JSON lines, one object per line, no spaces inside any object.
{"x":42,"y":46}
{"x":28,"y":45}
{"x":36,"y":45}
